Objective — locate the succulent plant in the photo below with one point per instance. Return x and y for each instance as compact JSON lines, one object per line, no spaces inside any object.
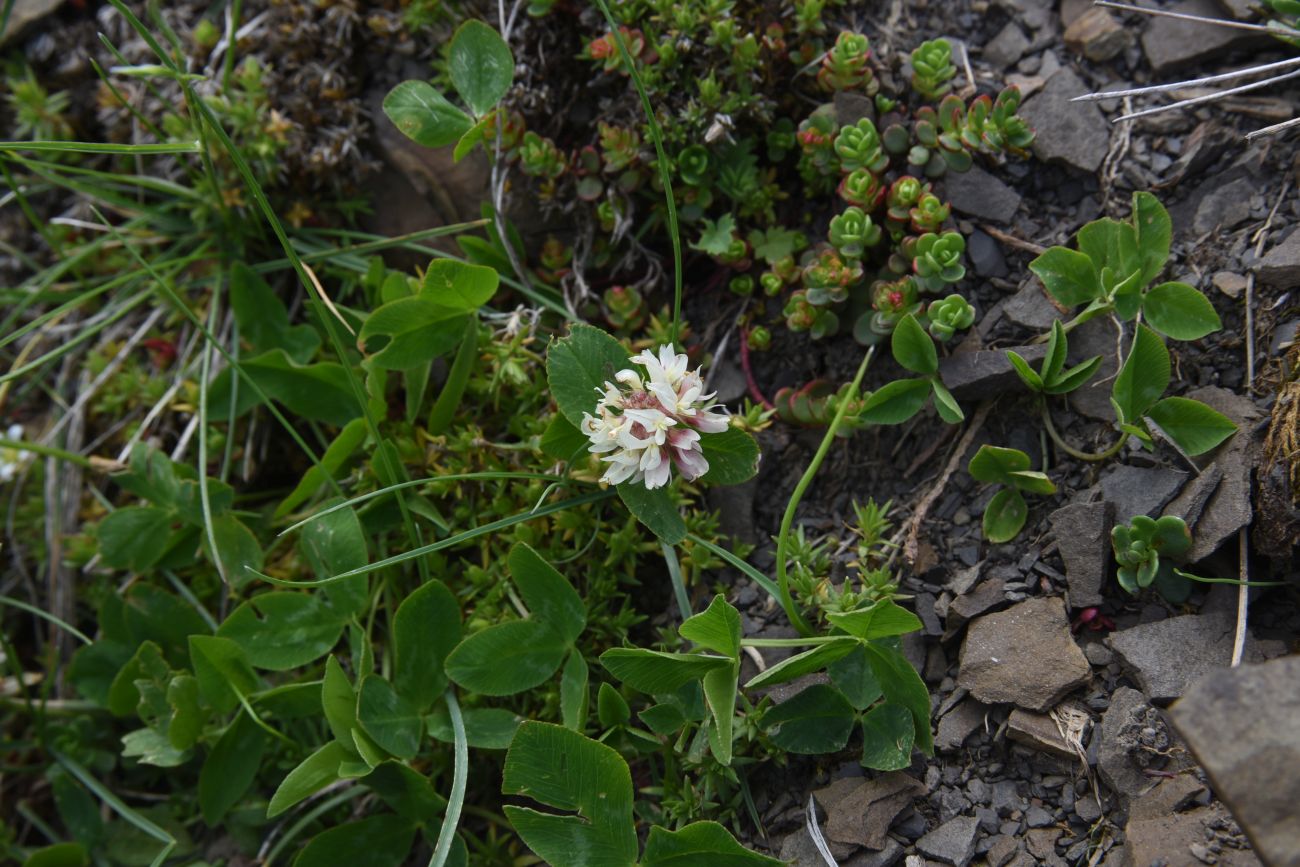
{"x":852,"y":232}
{"x":862,"y":188}
{"x":1138,"y":547}
{"x":539,"y":157}
{"x":929,"y":213}
{"x":932,"y":69}
{"x":903,"y":195}
{"x":693,"y":165}
{"x":802,"y":315}
{"x":938,"y":260}
{"x":759,"y":339}
{"x":827,"y":277}
{"x":859,"y":147}
{"x":890,"y":302}
{"x":949,"y":315}
{"x":624,"y":307}
{"x":845,"y":66}
{"x":742,"y":285}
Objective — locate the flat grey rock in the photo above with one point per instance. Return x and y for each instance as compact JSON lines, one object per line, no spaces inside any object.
{"x":1243,"y":725}
{"x":1115,"y":763}
{"x":859,"y":811}
{"x":1225,"y":207}
{"x":1136,"y":491}
{"x":958,"y":724}
{"x":1166,"y":656}
{"x":1082,"y":532}
{"x":1280,"y":267}
{"x":1074,"y":133}
{"x":1031,"y":308}
{"x":980,"y":194}
{"x":1024,"y":656}
{"x":984,"y":373}
{"x":953,"y":842}
{"x":1007,"y":47}
{"x":1096,"y":337}
{"x":1170,"y":43}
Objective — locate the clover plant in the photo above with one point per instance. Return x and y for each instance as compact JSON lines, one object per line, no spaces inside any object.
{"x":1005,"y":515}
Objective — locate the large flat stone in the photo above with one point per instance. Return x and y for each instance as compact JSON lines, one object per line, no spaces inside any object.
{"x":1082,"y":532}
{"x":984,"y":373}
{"x":1171,"y":43}
{"x":1166,"y":656}
{"x":1074,"y":133}
{"x":1024,"y":656}
{"x":1280,"y":267}
{"x":980,"y":194}
{"x":1139,"y":490}
{"x":1243,"y":725}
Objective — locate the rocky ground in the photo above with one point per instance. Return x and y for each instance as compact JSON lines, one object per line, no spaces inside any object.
{"x":1125,"y":741}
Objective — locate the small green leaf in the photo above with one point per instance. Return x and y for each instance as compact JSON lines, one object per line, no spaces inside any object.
{"x":408,"y":332}
{"x":1074,"y":377}
{"x":424,"y":115}
{"x":281,"y":630}
{"x":578,"y":366}
{"x":716,"y":628}
{"x":654,"y":672}
{"x":1111,"y":245}
{"x":472,"y":137}
{"x":854,"y":676}
{"x":480,"y":65}
{"x":459,"y":286}
{"x":1005,"y":515}
{"x":134,"y":537}
{"x":348,"y":440}
{"x":663,"y":719}
{"x":720,"y":695}
{"x":425,"y":629}
{"x":390,"y":720}
{"x":318,"y":392}
{"x":486,"y":728}
{"x":314,"y":773}
{"x":895,"y":402}
{"x":548,"y":594}
{"x":231,"y":767}
{"x":887,"y":737}
{"x":945,"y":403}
{"x":566,"y":771}
{"x":611,"y":708}
{"x":1032,"y":481}
{"x":338,"y":702}
{"x":406,"y":791}
{"x":700,"y":843}
{"x":1193,"y":426}
{"x":732,"y":455}
{"x":263,"y":319}
{"x":507,"y":658}
{"x":561,"y":440}
{"x":240,"y":553}
{"x":913,"y":348}
{"x":1180,"y":311}
{"x":817,"y":720}
{"x":655,"y":509}
{"x":995,"y":464}
{"x":1069,"y":276}
{"x":1155,"y":232}
{"x":881,"y":620}
{"x":803,"y":663}
{"x":222,"y":669}
{"x":1144,"y":376}
{"x":58,"y":855}
{"x":573,"y":691}
{"x":1026,"y":373}
{"x":902,"y":685}
{"x":376,"y":841}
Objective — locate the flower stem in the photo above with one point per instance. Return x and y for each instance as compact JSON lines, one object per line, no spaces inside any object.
{"x":783,"y":539}
{"x":811,"y":641}
{"x":1071,"y":450}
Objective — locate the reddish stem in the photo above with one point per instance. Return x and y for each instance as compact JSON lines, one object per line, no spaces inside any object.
{"x":754,"y":391}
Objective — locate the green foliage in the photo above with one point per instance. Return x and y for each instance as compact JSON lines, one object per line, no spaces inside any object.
{"x":932,"y":69}
{"x":1138,"y":546}
{"x":1005,"y":515}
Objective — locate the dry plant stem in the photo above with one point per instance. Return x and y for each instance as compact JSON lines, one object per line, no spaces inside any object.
{"x":1191,"y":82}
{"x":1183,"y":16}
{"x":912,"y":545}
{"x":787,"y":520}
{"x":1243,"y":596}
{"x":1275,"y":128}
{"x":1249,"y":299}
{"x":1071,"y":450}
{"x":1209,"y":97}
{"x":1012,"y":240}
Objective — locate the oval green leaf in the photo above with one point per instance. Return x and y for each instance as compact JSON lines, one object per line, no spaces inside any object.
{"x":424,"y":115}
{"x":1180,"y":311}
{"x":481,"y":66}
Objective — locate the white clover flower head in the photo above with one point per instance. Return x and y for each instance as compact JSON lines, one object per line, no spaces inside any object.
{"x":647,"y":421}
{"x":11,"y":459}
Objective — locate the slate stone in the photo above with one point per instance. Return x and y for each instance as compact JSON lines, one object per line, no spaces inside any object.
{"x":1007,"y":47}
{"x":1037,"y":817}
{"x":1114,"y":763}
{"x":886,"y":857}
{"x":1024,"y":656}
{"x":1074,"y":133}
{"x":1172,"y":841}
{"x":799,"y":850}
{"x":1225,"y":206}
{"x":1169,"y":796}
{"x":1031,"y":308}
{"x":985,"y":255}
{"x":1164,"y":657}
{"x":1098,"y":35}
{"x":953,"y":842}
{"x":859,"y":811}
{"x":1280,"y":267}
{"x":1096,"y":337}
{"x":1243,"y":726}
{"x":1039,"y":732}
{"x":1136,"y":491}
{"x":1170,"y":43}
{"x":980,"y":194}
{"x":985,"y":373}
{"x":1002,"y":850}
{"x":26,"y":12}
{"x":957,"y":724}
{"x":1082,"y":533}
{"x":986,"y":596}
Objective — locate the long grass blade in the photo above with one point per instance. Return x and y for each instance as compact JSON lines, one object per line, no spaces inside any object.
{"x":93,"y":147}
{"x":459,"y":778}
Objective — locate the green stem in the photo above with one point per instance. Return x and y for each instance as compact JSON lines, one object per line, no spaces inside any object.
{"x":665,"y":176}
{"x":49,"y":452}
{"x":460,"y":775}
{"x":791,"y":642}
{"x":1236,"y":581}
{"x":783,"y":540}
{"x":1071,"y":450}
